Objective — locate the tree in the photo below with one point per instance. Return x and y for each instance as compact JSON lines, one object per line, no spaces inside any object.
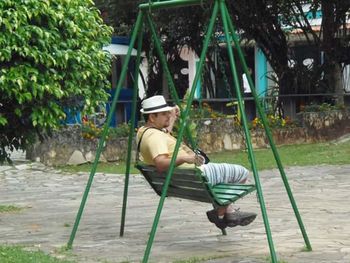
{"x":332,"y":39}
{"x":51,"y":60}
{"x":178,"y":26}
{"x":335,"y":41}
{"x":260,"y":22}
{"x":264,"y":22}
{"x":186,"y":25}
{"x":119,"y":14}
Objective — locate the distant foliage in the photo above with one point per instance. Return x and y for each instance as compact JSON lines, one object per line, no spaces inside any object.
{"x":205,"y":111}
{"x":273,"y":122}
{"x":51,"y":60}
{"x":91,"y":132}
{"x":321,"y":107}
{"x":120,"y":14}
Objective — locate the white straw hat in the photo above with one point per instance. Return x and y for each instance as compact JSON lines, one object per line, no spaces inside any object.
{"x":155,"y":104}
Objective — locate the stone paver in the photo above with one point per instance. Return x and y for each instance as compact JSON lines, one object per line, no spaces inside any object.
{"x":51,"y":198}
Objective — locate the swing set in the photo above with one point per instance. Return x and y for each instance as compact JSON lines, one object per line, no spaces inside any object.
{"x":187,"y":183}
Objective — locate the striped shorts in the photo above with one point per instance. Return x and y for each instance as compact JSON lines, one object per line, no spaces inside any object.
{"x":224,"y":173}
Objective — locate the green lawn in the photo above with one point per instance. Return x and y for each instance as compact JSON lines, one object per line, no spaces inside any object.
{"x":9,"y":209}
{"x":291,"y":155}
{"x":17,"y":254}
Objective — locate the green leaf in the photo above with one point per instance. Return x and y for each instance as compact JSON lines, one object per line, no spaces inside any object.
{"x":3,"y":121}
{"x":18,"y":112}
{"x":28,"y":96}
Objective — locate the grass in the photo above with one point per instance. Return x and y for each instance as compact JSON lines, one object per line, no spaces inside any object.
{"x":9,"y":209}
{"x":268,"y":259}
{"x":17,"y":254}
{"x":199,"y":259}
{"x":291,"y":155}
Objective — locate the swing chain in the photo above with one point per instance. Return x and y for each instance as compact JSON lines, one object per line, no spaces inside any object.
{"x":227,"y":86}
{"x":201,"y":93}
{"x":222,"y":69}
{"x":150,"y":2}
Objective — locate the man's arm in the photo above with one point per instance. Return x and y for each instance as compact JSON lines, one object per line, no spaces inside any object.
{"x":162,"y":161}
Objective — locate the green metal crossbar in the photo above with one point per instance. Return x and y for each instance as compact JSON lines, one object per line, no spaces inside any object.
{"x":168,"y":4}
{"x":222,"y":193}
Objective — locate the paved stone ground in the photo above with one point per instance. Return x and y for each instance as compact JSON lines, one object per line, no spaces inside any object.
{"x":51,"y":199}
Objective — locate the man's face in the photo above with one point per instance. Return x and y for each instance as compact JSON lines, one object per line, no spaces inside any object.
{"x":160,"y":119}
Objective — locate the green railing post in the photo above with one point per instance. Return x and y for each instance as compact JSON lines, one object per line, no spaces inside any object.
{"x":132,"y":130}
{"x":246,"y":130}
{"x":163,"y":61}
{"x":180,"y":135}
{"x":104,"y":132}
{"x":269,"y":136}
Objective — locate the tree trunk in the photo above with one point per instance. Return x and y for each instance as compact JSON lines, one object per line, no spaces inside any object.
{"x":330,"y":43}
{"x":338,"y":84}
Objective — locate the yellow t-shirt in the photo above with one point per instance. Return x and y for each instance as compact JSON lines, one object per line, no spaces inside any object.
{"x":156,"y":142}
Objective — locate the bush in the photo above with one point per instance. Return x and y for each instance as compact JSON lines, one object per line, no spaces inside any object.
{"x":205,"y":112}
{"x":321,"y":107}
{"x":51,"y":60}
{"x":274,"y":122}
{"x":90,"y":131}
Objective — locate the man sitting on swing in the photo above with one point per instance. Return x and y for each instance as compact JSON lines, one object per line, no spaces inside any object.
{"x":157,"y":147}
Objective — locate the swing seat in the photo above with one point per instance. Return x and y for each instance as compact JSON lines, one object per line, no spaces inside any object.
{"x":193,"y":185}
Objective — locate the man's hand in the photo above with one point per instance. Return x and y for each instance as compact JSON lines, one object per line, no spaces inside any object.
{"x":194,"y":158}
{"x":174,"y":115}
{"x":199,"y":160}
{"x":162,"y":161}
{"x":177,"y":111}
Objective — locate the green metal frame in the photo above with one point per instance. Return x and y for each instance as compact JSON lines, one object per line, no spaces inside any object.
{"x":219,"y":7}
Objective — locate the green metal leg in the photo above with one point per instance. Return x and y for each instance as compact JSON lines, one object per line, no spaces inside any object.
{"x":224,"y":233}
{"x":181,"y":132}
{"x":104,"y":133}
{"x":269,"y":135}
{"x":132,"y":131}
{"x":246,"y":130}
